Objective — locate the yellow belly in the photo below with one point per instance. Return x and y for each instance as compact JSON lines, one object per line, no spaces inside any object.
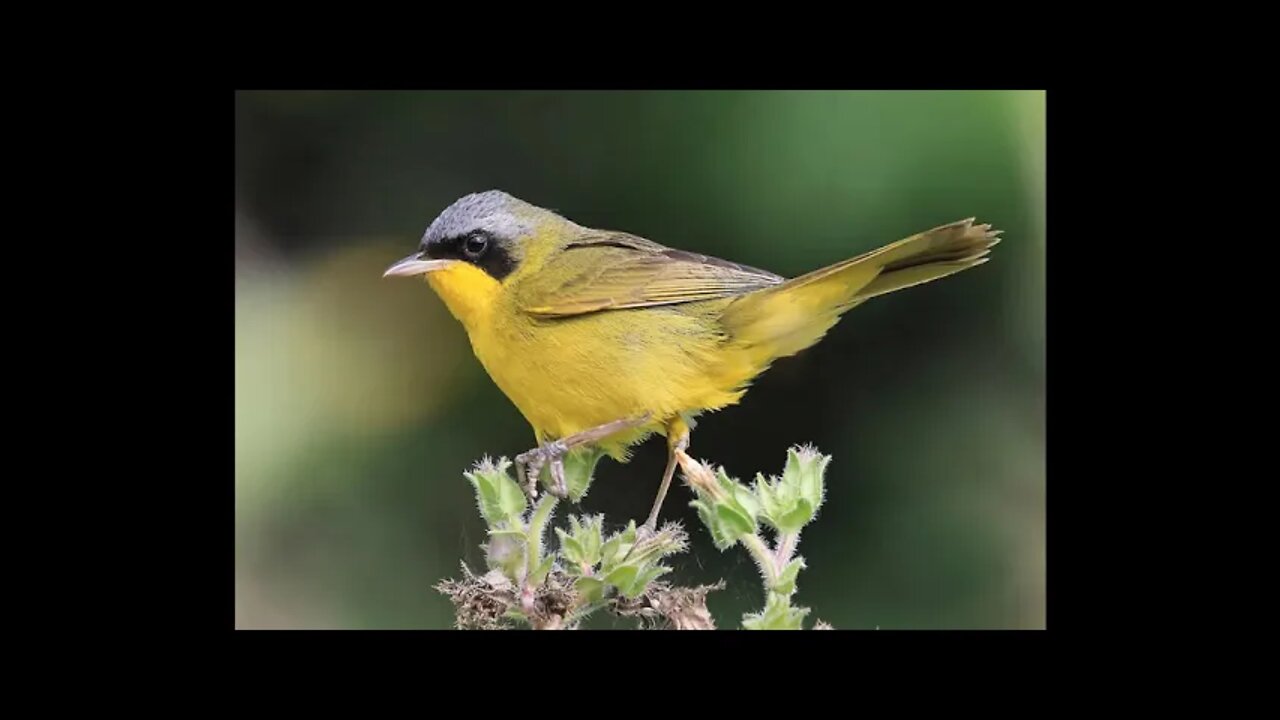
{"x":577,"y":373}
{"x":573,"y":374}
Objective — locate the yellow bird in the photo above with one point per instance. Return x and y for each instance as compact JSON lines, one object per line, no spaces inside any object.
{"x":602,"y":338}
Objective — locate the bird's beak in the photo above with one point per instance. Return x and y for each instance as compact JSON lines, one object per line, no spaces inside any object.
{"x":415,"y":265}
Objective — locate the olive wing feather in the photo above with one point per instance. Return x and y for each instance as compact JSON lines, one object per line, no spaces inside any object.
{"x":616,"y":271}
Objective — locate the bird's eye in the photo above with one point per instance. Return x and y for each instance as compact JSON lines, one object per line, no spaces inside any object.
{"x":475,"y":245}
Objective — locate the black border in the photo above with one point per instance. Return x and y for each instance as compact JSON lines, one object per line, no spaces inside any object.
{"x":196,"y":323}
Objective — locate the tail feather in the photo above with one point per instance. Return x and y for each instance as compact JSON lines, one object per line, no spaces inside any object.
{"x":787,"y":318}
{"x":931,"y":255}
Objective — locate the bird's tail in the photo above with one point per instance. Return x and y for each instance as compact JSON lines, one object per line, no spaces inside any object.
{"x":787,"y":318}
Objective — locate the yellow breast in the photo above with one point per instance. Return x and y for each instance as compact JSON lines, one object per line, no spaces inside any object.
{"x":572,"y":374}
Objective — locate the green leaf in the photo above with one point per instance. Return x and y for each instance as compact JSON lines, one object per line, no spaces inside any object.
{"x":579,"y":465}
{"x":766,"y":493}
{"x":805,"y":472}
{"x":511,"y":497}
{"x":505,"y":552}
{"x":719,"y":537}
{"x":501,"y":501}
{"x":641,"y":583}
{"x":591,"y":539}
{"x":777,"y":615}
{"x":794,"y":519}
{"x":727,"y":483}
{"x":629,"y":535}
{"x":747,"y":502}
{"x":786,"y":584}
{"x":571,"y":549}
{"x":609,"y":550}
{"x":590,"y":588}
{"x":582,"y":547}
{"x":544,"y":568}
{"x":735,"y":523}
{"x":618,"y":546}
{"x":622,"y":576}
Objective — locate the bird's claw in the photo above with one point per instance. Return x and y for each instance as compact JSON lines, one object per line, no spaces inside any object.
{"x":529,"y":464}
{"x":529,"y":467}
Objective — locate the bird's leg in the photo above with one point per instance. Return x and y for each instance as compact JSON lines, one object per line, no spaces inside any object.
{"x":529,"y":464}
{"x":677,"y":442}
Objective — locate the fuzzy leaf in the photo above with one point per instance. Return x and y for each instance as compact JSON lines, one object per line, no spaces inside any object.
{"x":733,"y":521}
{"x":804,"y":471}
{"x":581,"y":548}
{"x":719,"y":537}
{"x":544,"y":568}
{"x":767,"y":494}
{"x":571,"y":549}
{"x":590,"y":588}
{"x":501,"y":501}
{"x":622,"y":576}
{"x":591,"y":545}
{"x":505,"y":552}
{"x":777,"y":615}
{"x":795,"y":518}
{"x":579,"y":466}
{"x":747,"y":502}
{"x":727,"y":483}
{"x":641,"y":583}
{"x":610,"y":549}
{"x":618,"y":546}
{"x":786,"y":584}
{"x":590,"y":539}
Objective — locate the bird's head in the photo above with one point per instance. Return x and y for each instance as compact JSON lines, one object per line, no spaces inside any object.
{"x":477,"y":245}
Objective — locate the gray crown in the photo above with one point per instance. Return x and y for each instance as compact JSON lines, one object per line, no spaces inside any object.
{"x":498,"y":213}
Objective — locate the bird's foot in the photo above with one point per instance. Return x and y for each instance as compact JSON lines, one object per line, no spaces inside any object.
{"x":529,"y":467}
{"x":551,"y":455}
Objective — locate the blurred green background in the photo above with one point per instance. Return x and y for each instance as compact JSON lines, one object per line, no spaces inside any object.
{"x":359,"y":404}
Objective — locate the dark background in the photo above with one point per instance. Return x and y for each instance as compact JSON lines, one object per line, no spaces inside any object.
{"x":359,"y":404}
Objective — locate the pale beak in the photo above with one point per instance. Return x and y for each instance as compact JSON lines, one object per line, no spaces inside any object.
{"x":415,"y":265}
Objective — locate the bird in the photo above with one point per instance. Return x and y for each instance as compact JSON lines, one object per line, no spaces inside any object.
{"x":602,"y":338}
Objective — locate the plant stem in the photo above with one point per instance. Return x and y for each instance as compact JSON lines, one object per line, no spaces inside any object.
{"x":537,"y":524}
{"x":786,"y":548}
{"x":764,"y":559}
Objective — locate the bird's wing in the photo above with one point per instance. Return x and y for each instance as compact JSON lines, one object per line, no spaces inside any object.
{"x":612,"y":271}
